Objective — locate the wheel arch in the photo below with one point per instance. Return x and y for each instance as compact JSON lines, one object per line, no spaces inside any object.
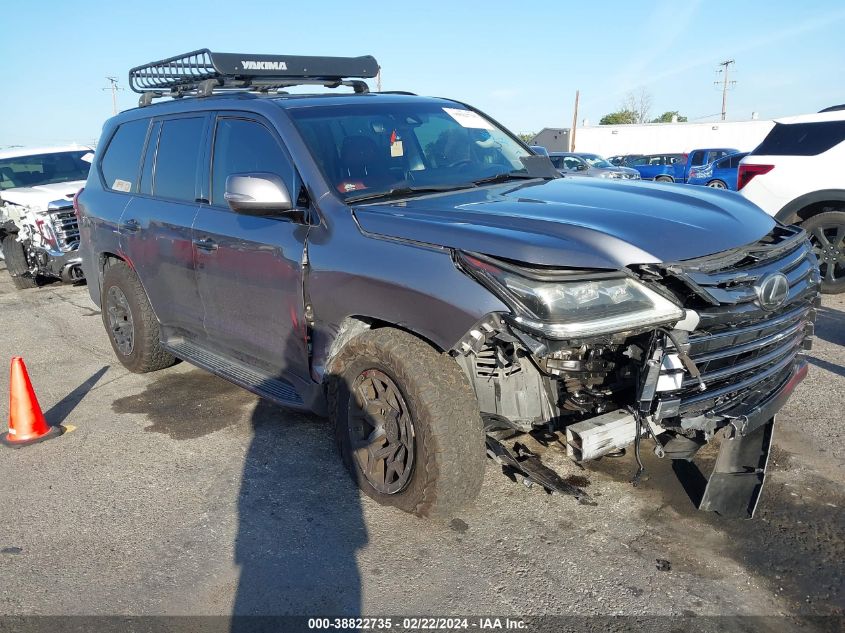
{"x":810,"y":204}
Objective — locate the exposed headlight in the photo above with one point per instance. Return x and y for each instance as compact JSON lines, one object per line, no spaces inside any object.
{"x":610,"y":174}
{"x":565,"y":305}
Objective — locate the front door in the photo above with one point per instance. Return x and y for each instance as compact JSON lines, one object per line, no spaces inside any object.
{"x":249,"y":268}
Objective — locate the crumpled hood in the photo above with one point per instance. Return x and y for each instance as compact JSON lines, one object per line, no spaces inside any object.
{"x":575,"y":222}
{"x":39,"y":196}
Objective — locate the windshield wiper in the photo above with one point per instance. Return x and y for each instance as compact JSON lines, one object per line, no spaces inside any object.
{"x":504,"y":177}
{"x":399,"y":192}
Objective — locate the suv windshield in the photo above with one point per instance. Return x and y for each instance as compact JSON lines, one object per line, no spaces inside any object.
{"x":369,"y":149}
{"x":44,"y":169}
{"x":596,"y":161}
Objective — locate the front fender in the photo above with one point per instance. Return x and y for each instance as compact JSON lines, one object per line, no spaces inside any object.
{"x":414,"y":287}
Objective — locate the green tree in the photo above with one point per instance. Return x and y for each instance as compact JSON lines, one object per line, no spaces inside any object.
{"x":620,"y":117}
{"x":526,"y":137}
{"x":666,"y":117}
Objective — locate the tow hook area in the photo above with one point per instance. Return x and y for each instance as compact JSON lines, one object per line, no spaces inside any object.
{"x":525,"y":466}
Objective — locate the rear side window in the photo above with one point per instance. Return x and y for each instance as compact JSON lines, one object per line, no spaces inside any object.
{"x":801,"y":139}
{"x":177,"y":159}
{"x":242,"y":146}
{"x":121,"y":162}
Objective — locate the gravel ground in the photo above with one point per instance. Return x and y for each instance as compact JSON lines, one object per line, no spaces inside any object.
{"x":178,"y":493}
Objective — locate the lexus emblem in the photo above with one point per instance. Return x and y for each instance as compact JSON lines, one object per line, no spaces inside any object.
{"x":772,"y":290}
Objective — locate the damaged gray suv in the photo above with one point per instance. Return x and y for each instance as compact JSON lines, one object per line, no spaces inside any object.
{"x":409,"y":268}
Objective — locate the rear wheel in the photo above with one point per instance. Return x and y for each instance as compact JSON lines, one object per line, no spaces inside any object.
{"x":130,"y":322}
{"x":664,"y":179}
{"x":16,"y":263}
{"x":406,"y":423}
{"x":717,"y":184}
{"x":827,"y":233}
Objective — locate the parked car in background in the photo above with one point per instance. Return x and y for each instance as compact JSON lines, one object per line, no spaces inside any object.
{"x":590,"y":165}
{"x":796,"y":174}
{"x":539,"y":149}
{"x":38,"y":227}
{"x":621,"y":160}
{"x":700,"y":158}
{"x":720,"y":174}
{"x":659,"y":167}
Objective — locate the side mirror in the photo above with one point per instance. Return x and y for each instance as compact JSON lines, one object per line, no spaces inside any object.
{"x":258,"y":193}
{"x":581,"y":167}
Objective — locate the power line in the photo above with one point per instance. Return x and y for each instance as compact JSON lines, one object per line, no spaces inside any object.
{"x":725,"y":83}
{"x":114,"y":87}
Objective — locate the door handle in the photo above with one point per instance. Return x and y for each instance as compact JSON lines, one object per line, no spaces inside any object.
{"x":132,"y":225}
{"x":206,"y":244}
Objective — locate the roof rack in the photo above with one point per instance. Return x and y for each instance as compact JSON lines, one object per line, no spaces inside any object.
{"x":201,"y":73}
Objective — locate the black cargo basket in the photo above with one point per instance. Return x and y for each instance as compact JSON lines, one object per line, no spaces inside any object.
{"x":201,"y":73}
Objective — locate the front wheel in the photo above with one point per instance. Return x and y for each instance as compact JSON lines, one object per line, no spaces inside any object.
{"x":717,"y":184}
{"x":827,"y":233}
{"x":16,"y":263}
{"x":664,"y":179}
{"x":406,"y":423}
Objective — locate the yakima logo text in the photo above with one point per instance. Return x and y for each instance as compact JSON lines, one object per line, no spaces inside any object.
{"x":253,"y":65}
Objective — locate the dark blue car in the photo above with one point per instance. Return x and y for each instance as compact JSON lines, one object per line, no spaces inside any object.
{"x":659,"y":167}
{"x":719,"y":174}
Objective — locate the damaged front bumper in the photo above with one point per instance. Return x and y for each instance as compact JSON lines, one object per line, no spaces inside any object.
{"x":727,"y":368}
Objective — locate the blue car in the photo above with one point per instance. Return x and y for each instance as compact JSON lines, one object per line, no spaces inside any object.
{"x":719,"y":174}
{"x":659,"y":167}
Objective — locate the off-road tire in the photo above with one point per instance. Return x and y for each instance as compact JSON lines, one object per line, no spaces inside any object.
{"x":827,"y":219}
{"x":664,"y":179}
{"x":449,"y":443}
{"x":16,"y":264}
{"x":147,"y":353}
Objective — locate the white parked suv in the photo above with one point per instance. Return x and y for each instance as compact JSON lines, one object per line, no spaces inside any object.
{"x":797,"y":174}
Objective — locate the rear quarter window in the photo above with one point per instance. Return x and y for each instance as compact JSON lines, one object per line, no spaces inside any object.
{"x":801,"y":139}
{"x":121,"y":161}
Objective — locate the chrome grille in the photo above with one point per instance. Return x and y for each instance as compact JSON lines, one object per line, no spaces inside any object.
{"x":744,"y":352}
{"x":66,"y":228}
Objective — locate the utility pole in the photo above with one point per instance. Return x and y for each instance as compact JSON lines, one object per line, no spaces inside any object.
{"x":725,"y":84}
{"x":114,"y":88}
{"x":378,"y":80}
{"x":574,"y":123}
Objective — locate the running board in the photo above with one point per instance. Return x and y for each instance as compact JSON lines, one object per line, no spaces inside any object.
{"x":275,"y":389}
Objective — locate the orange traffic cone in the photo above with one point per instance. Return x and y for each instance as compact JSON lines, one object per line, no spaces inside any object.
{"x":26,"y":421}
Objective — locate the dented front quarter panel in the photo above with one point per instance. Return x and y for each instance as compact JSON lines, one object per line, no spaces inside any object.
{"x":413,"y":286}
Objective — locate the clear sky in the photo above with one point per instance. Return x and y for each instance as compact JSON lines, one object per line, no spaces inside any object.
{"x":521,"y":62}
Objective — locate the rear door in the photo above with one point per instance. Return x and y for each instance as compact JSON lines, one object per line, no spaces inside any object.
{"x":155,"y":229}
{"x":249,"y":268}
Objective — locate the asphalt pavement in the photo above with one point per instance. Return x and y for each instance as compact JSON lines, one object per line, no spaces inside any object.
{"x":178,"y":493}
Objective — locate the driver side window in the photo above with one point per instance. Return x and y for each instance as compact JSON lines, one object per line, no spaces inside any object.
{"x":571,"y":163}
{"x":242,"y":146}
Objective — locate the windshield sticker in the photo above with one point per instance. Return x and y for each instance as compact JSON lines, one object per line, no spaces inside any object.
{"x":348,"y":186}
{"x":468,"y":118}
{"x":396,"y":149}
{"x":122,"y":185}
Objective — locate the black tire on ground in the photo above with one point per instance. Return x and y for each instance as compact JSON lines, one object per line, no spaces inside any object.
{"x":827,"y":232}
{"x":16,"y":263}
{"x":664,"y":179}
{"x":448,"y":437}
{"x":717,"y":184}
{"x":145,"y":354}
